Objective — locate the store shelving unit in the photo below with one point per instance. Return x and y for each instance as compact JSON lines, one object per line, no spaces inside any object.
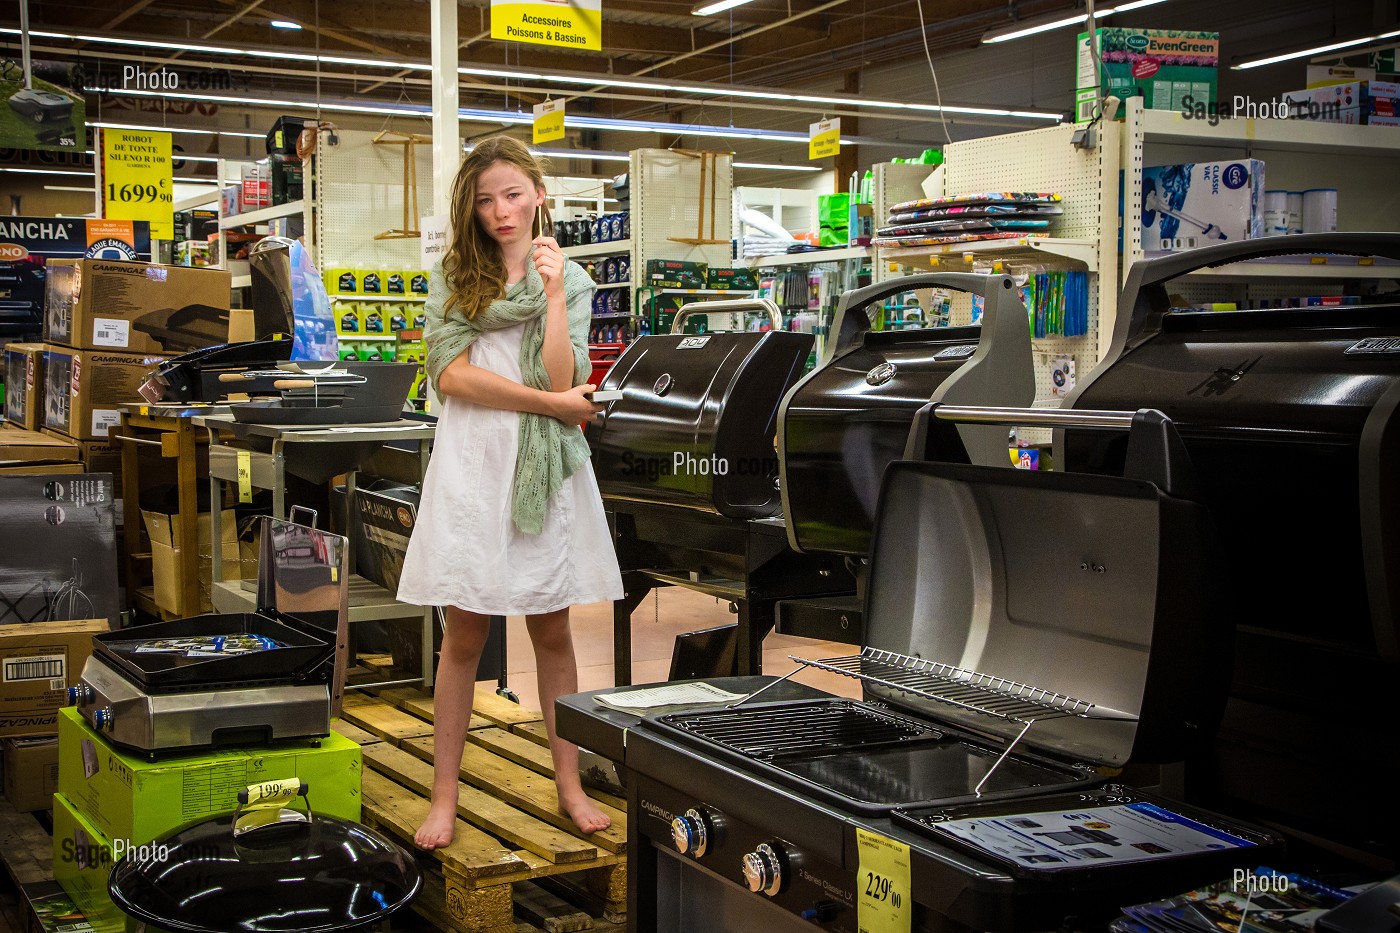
{"x":1297,"y":154}
{"x":811,"y":258}
{"x":1086,"y":234}
{"x":231,"y":173}
{"x":597,"y":250}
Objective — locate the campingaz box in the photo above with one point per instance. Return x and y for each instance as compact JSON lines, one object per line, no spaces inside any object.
{"x":85,"y":389}
{"x":24,"y":384}
{"x":1169,"y":69}
{"x":135,"y":307}
{"x":39,"y":661}
{"x":1201,"y":203}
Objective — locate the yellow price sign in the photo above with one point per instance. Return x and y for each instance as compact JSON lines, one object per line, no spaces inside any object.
{"x":549,"y":121}
{"x":574,"y":24}
{"x":825,"y":139}
{"x":136,"y":175}
{"x":245,"y":476}
{"x":882,"y":888}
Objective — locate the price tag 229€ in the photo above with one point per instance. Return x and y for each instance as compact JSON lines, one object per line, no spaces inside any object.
{"x":882,"y":887}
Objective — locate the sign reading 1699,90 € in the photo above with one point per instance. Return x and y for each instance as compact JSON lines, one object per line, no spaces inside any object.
{"x":576,"y":24}
{"x":136,"y":179}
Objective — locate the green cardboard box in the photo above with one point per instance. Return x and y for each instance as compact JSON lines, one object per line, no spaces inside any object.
{"x":129,"y":798}
{"x":82,"y":861}
{"x":676,"y":273}
{"x":738,"y":279}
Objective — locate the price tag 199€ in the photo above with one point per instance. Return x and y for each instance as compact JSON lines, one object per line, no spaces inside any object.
{"x":882,"y":888}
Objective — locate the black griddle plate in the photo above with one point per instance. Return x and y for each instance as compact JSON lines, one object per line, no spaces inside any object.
{"x":864,"y":757}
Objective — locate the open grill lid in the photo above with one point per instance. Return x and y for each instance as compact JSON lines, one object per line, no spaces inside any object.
{"x":302,"y":586}
{"x":1081,"y":605}
{"x":850,"y":417}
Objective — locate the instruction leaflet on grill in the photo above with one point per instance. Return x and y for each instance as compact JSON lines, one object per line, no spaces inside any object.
{"x":1103,"y":835}
{"x":669,"y":695}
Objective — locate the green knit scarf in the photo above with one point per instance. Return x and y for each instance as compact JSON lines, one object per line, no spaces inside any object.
{"x":549,"y":451}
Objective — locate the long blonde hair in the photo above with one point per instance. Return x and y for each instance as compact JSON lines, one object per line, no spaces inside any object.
{"x":474,"y":269}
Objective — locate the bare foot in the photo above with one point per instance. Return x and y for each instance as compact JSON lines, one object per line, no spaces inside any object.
{"x":584,"y":812}
{"x":437,"y":829}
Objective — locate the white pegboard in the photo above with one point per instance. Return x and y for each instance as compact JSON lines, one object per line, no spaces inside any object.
{"x":359,"y":193}
{"x":1035,"y":160}
{"x":666,"y":203}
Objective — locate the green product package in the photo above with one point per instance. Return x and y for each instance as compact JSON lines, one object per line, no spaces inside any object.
{"x":82,"y":861}
{"x":127,"y":797}
{"x":1169,"y":69}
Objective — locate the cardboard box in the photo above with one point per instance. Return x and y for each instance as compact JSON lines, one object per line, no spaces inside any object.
{"x":24,"y":384}
{"x":82,"y":862}
{"x":342,"y":281}
{"x":740,"y":279}
{"x":84,"y":389}
{"x":127,"y":797}
{"x":1196,"y":204}
{"x":31,"y":772}
{"x":1353,"y":102}
{"x":166,"y":566}
{"x":67,"y":566}
{"x":17,"y":444}
{"x":135,"y":307}
{"x":674,"y":273}
{"x":242,"y":327}
{"x":1168,"y":68}
{"x":38,"y":662}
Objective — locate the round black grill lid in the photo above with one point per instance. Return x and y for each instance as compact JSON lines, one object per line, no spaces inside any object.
{"x":317,"y":876}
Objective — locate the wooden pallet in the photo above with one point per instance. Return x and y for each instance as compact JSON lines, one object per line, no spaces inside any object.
{"x":509,"y":828}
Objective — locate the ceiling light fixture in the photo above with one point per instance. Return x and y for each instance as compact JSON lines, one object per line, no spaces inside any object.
{"x":575,"y":79}
{"x":1018,"y":30}
{"x":284,"y":24}
{"x":173,"y":129}
{"x":718,"y":6}
{"x":1319,"y":50}
{"x":45,"y":171}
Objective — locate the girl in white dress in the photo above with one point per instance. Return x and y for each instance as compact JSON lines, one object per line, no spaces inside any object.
{"x":511,"y":521}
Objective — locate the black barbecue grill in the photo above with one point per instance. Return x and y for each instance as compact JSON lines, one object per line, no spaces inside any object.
{"x":1026,"y":634}
{"x":1292,"y":419}
{"x":692,"y":400}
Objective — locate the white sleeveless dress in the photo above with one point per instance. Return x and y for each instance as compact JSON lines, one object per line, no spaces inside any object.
{"x":466,"y":551}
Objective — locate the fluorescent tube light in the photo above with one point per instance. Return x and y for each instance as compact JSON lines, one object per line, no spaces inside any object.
{"x":719,"y":6}
{"x":1274,"y":59}
{"x":779,"y":168}
{"x":45,"y":171}
{"x":1018,"y":30}
{"x":284,"y":24}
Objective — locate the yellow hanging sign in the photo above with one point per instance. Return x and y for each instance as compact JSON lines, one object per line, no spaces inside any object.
{"x":882,"y":887}
{"x":549,"y":121}
{"x":825,"y":139}
{"x":575,"y":24}
{"x":136,"y":176}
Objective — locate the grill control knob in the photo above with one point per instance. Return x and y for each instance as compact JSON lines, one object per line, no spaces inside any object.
{"x":763,"y":870}
{"x":691,"y":833}
{"x":102,"y":719}
{"x":80,"y":695}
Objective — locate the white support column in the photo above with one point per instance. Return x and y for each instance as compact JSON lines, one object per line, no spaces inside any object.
{"x":447,"y":140}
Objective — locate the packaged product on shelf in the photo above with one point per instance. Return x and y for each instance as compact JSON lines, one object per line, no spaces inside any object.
{"x":369,"y":351}
{"x":675,"y":273}
{"x":348,"y":351}
{"x":135,"y":307}
{"x":834,"y":217}
{"x":417,"y":283}
{"x":371,"y":282}
{"x":420,"y":317}
{"x":1357,"y":102}
{"x":394,"y":283}
{"x":231,"y":200}
{"x":398,"y":317}
{"x":24,"y":384}
{"x":371,"y":317}
{"x":1195,"y":204}
{"x":83,"y":389}
{"x":286,"y":173}
{"x":1169,"y":69}
{"x":342,"y":281}
{"x":741,"y":279}
{"x":347,"y":320}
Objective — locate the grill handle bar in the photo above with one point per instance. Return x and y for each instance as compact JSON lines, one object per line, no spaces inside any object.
{"x":1155,"y":452}
{"x":759,"y":305}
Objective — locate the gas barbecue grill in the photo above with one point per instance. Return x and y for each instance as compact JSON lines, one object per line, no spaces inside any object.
{"x":692,"y":400}
{"x":1292,"y":418}
{"x":1027,"y":634}
{"x":232,"y":678}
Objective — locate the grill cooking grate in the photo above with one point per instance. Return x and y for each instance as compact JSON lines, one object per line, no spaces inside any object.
{"x":768,"y":733}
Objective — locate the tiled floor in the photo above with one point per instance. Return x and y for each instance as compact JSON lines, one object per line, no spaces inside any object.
{"x":663,"y":615}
